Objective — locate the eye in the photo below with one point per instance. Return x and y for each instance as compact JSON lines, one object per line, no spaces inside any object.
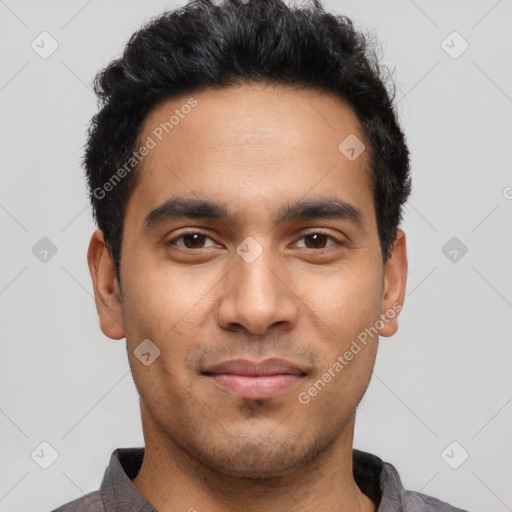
{"x":196,"y":240}
{"x":191,"y":241}
{"x":317,"y":240}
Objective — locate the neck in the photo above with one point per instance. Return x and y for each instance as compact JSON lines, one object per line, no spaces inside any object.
{"x":173,"y":480}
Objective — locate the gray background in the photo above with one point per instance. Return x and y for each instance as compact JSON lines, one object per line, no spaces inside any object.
{"x":444,"y":377}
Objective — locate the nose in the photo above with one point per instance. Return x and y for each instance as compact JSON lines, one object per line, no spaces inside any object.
{"x":256,"y":296}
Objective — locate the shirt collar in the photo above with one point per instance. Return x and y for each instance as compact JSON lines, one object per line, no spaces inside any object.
{"x":117,"y":490}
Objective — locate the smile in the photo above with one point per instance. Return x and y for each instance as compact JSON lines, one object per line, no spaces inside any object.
{"x":255,"y":386}
{"x":255,"y":379}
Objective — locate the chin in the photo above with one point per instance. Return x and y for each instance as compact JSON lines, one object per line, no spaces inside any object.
{"x":252,"y":470}
{"x":260,"y":460}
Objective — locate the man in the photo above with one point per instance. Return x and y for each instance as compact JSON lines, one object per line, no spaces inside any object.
{"x":247,"y":174}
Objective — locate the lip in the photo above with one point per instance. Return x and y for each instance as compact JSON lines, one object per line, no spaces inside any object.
{"x":255,"y":379}
{"x":272,"y":366}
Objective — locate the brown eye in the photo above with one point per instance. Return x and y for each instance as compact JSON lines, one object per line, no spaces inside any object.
{"x":318,"y":240}
{"x":191,"y":241}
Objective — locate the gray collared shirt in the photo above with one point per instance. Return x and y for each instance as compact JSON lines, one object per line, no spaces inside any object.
{"x":377,"y":479}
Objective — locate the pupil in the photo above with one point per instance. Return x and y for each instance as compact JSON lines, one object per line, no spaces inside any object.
{"x":317,"y":239}
{"x":194,"y":238}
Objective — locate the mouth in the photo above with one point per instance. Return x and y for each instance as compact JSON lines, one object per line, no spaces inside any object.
{"x":255,"y":380}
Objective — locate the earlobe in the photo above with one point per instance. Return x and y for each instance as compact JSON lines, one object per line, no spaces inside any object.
{"x":395,"y":279}
{"x":106,"y":290}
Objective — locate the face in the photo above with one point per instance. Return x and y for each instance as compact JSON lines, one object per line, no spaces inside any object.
{"x":251,"y":236}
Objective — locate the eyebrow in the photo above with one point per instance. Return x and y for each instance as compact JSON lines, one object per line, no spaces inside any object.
{"x":192,"y":208}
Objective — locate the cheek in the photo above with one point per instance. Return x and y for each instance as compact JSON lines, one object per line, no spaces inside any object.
{"x":349,"y":305}
{"x":347,"y":302}
{"x":348,"y":349}
{"x":160,"y":300}
{"x":158,"y":308}
{"x":163,"y":307}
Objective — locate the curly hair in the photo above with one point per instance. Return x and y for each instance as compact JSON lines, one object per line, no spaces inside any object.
{"x":215,"y":45}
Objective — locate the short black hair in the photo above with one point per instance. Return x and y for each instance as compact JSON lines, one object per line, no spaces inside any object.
{"x":214,"y":45}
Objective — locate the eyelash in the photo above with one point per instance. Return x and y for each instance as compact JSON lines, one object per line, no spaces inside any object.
{"x":186,"y":249}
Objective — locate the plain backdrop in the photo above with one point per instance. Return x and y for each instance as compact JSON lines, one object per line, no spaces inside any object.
{"x":442,"y":386}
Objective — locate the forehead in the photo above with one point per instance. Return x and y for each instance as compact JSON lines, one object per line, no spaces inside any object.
{"x":251,"y":145}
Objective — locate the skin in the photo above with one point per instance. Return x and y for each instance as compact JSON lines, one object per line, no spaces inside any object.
{"x":252,"y":148}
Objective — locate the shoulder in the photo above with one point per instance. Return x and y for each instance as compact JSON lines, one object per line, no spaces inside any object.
{"x":381,"y":482}
{"x":417,"y":502}
{"x":91,"y":502}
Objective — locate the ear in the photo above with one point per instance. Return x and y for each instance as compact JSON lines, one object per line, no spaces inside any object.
{"x":106,"y":288}
{"x":395,"y":278}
